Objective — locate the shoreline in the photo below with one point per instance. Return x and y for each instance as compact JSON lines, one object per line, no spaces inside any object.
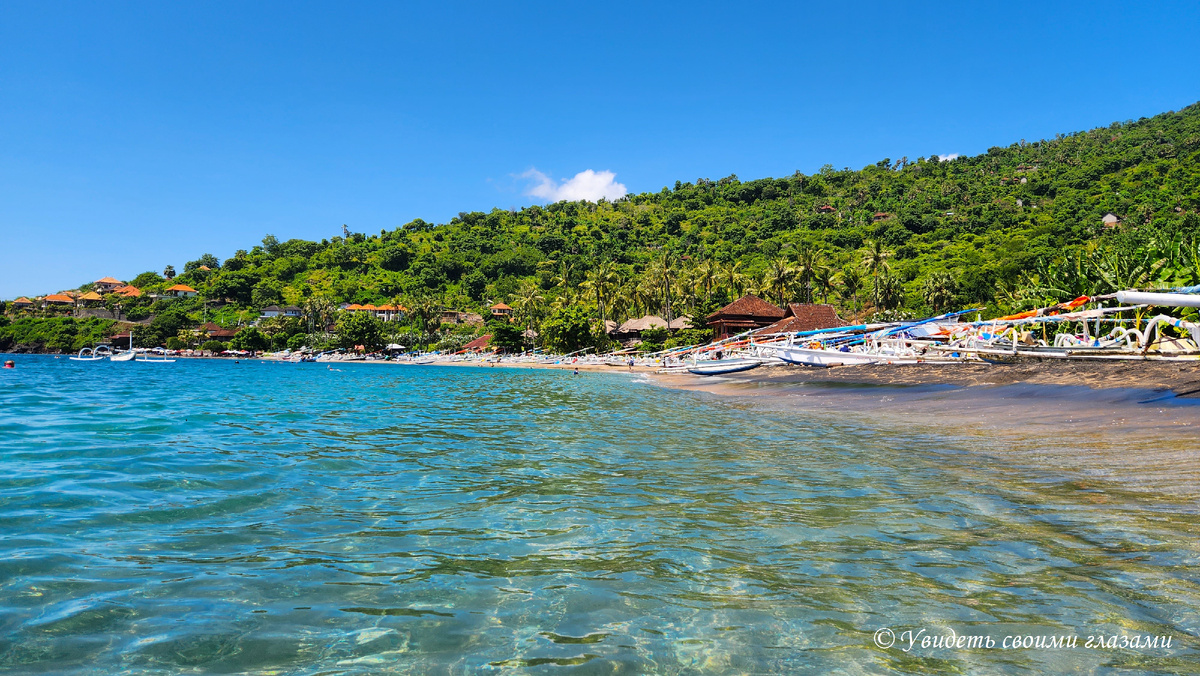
{"x":1180,"y":379}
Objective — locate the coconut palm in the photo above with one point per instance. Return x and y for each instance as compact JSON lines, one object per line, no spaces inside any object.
{"x":876,"y":258}
{"x":601,"y":280}
{"x":779,"y":278}
{"x":706,"y":277}
{"x":528,"y":304}
{"x":732,"y":277}
{"x":939,"y":290}
{"x":318,"y":312}
{"x":823,"y":279}
{"x":661,"y":276}
{"x":806,"y":269}
{"x":852,"y":283}
{"x":889,"y":291}
{"x":876,"y":261}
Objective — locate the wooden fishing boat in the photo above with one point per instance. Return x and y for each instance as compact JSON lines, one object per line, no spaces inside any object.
{"x":720,"y":367}
{"x":100,"y":352}
{"x":808,"y":356}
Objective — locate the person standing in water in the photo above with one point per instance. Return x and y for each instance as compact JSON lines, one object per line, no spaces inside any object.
{"x":10,"y":364}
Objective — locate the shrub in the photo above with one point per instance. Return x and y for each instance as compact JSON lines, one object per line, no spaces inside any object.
{"x":213,"y":346}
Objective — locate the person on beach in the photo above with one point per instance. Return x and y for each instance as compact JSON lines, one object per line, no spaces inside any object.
{"x":631,"y":363}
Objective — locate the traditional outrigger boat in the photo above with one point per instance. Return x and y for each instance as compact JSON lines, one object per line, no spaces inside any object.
{"x":720,"y":367}
{"x":98,"y":353}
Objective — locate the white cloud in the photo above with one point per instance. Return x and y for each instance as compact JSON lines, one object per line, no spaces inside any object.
{"x":586,"y":185}
{"x":948,"y":157}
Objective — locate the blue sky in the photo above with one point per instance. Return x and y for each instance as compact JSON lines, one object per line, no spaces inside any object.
{"x":133,"y":135}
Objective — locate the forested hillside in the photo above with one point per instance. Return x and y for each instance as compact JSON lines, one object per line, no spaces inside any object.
{"x":1017,"y":225}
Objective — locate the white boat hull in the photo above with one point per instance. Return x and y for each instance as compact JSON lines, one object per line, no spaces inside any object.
{"x":723,"y":366}
{"x":807,"y":356}
{"x":124,"y":356}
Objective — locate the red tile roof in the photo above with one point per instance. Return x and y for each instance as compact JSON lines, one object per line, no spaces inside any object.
{"x":108,"y":280}
{"x":748,"y":306}
{"x":500,"y":306}
{"x":59,"y":298}
{"x":182,"y":287}
{"x":479,"y":343}
{"x":806,"y":317}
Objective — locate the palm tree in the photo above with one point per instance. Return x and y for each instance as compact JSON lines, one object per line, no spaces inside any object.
{"x":876,"y":261}
{"x":779,"y":277}
{"x":889,"y":291}
{"x":423,"y":310}
{"x":706,"y":277}
{"x":602,"y":280}
{"x":876,"y":257}
{"x":661,"y":276}
{"x":318,"y":311}
{"x":732,"y":277}
{"x":169,"y":272}
{"x":852,"y":283}
{"x":938,"y":290}
{"x":823,"y":276}
{"x":528,"y":304}
{"x":806,"y":269}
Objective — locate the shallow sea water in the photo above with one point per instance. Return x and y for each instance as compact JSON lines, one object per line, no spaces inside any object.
{"x":212,"y":517}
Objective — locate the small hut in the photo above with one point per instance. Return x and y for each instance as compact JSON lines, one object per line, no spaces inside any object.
{"x":632,"y":328}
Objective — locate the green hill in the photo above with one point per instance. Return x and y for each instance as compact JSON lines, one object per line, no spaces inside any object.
{"x":1018,"y":225}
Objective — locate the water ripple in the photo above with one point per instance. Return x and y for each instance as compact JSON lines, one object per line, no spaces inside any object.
{"x":260,"y":517}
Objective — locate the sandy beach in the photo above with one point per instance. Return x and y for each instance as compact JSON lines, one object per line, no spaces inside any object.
{"x":1180,"y":378}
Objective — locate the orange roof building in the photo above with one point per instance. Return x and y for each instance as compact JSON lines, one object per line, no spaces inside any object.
{"x":61,"y":299}
{"x":128,"y":291}
{"x":22,"y":301}
{"x":107,"y":284}
{"x":92,"y":296}
{"x":181,"y":290}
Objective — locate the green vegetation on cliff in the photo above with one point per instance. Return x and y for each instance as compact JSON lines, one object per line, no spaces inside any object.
{"x":1016,"y":226}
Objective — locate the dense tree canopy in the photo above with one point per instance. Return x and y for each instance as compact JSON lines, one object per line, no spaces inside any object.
{"x":1017,"y":225}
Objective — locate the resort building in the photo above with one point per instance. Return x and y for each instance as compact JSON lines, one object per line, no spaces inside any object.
{"x":276,"y":311}
{"x":57,"y":299}
{"x":456,"y":317}
{"x":385,"y":312}
{"x":22,"y":303}
{"x":180,"y":291}
{"x":744,"y":314}
{"x":107,"y":284}
{"x":501,"y":310}
{"x":91,"y":298}
{"x":128,"y":291}
{"x":217,"y":332}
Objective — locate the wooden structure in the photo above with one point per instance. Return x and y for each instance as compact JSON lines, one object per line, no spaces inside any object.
{"x":743,"y":314}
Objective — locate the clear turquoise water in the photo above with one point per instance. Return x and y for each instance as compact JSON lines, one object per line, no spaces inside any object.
{"x":211,"y":517}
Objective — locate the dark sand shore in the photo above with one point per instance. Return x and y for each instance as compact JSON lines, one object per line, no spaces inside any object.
{"x":1180,"y":378}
